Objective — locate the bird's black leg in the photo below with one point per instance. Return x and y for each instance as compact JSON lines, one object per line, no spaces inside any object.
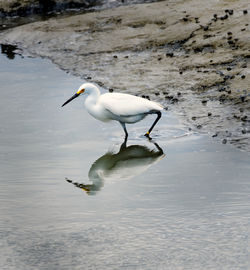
{"x":125,"y":130}
{"x":156,"y":120}
{"x":124,"y":144}
{"x":158,"y":147}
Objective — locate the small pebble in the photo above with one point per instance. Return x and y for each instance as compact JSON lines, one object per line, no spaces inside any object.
{"x":199,"y":126}
{"x":244,"y":66}
{"x":244,"y":131}
{"x":193,"y":118}
{"x":227,"y":77}
{"x":245,"y":11}
{"x":157,"y":93}
{"x":204,"y":101}
{"x":243,"y":77}
{"x":179,"y":94}
{"x":205,"y":28}
{"x":224,"y":141}
{"x":207,"y":36}
{"x":228,"y":68}
{"x":209,"y":114}
{"x":224,"y":17}
{"x":180,"y":72}
{"x":243,"y":29}
{"x":169,"y":54}
{"x":229,"y":33}
{"x":242,"y":98}
{"x":222,"y":89}
{"x":115,"y":56}
{"x":222,"y":98}
{"x":111,"y":90}
{"x":244,"y":118}
{"x":231,"y":12}
{"x":174,"y":100}
{"x":215,"y":15}
{"x":197,"y":50}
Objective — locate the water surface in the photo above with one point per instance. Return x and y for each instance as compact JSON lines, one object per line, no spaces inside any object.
{"x":71,"y":197}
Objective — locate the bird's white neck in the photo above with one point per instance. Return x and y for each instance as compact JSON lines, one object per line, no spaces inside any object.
{"x":92,"y":96}
{"x":91,"y":100}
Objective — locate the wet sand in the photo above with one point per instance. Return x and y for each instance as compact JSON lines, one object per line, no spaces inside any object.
{"x":194,"y":59}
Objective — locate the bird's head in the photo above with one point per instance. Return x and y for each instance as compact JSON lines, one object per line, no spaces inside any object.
{"x":85,"y":88}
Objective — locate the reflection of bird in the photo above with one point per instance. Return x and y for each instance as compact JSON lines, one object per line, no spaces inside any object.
{"x":127,"y":163}
{"x":123,"y":108}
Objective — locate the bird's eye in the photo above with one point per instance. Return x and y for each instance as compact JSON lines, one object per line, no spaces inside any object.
{"x":80,"y":91}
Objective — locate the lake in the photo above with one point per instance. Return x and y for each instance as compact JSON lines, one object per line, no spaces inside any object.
{"x":73,"y":197}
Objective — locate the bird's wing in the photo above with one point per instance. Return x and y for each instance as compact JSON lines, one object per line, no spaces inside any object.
{"x":126,"y":105}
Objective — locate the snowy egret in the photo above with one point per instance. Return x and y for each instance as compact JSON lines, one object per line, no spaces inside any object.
{"x":130,"y":161}
{"x":124,"y":108}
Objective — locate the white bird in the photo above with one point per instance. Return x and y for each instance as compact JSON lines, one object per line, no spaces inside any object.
{"x":127,"y":163}
{"x":124,"y":108}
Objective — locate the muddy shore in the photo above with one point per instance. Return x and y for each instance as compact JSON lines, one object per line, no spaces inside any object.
{"x":194,"y":59}
{"x":28,"y":7}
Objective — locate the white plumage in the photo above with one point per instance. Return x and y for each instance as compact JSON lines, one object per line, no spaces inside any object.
{"x":124,"y":108}
{"x":125,"y":105}
{"x":127,"y":163}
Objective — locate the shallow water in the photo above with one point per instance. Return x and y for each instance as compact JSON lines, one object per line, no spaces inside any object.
{"x":72,"y":198}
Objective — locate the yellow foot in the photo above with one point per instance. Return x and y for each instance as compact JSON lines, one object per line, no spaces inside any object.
{"x":147,"y":135}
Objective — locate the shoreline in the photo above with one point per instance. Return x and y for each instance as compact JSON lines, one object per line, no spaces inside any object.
{"x":193,"y":61}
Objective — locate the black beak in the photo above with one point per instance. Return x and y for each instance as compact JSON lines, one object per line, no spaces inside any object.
{"x":73,"y":97}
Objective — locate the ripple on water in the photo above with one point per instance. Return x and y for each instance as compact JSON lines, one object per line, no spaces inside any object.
{"x":189,"y":211}
{"x":133,"y":242}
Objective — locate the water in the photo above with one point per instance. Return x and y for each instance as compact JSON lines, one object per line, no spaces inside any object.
{"x":47,"y":9}
{"x":72,"y":198}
